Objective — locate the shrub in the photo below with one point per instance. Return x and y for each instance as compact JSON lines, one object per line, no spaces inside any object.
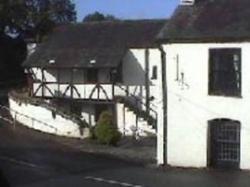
{"x":106,"y":131}
{"x":92,"y":135}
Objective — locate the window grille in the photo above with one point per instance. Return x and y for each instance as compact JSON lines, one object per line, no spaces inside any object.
{"x":225,"y":142}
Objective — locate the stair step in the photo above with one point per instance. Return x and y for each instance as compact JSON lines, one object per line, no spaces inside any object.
{"x":139,"y":112}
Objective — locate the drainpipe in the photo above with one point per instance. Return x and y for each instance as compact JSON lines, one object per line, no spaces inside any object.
{"x":164,"y":100}
{"x":147,"y":84}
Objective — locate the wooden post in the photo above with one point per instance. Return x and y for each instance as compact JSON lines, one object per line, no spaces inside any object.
{"x":98,"y":91}
{"x":14,"y":123}
{"x":71,"y":84}
{"x":58,"y":81}
{"x":43,"y":82}
{"x":127,"y":91}
{"x":124,"y":121}
{"x":113,"y":91}
{"x":137,"y":118}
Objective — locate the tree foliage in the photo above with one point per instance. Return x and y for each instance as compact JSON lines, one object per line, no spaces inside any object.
{"x":13,"y":53}
{"x":97,"y":16}
{"x":34,"y":17}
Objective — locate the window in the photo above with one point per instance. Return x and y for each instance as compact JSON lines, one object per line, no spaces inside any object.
{"x":116,"y":75}
{"x":154,"y":73}
{"x":92,"y":76}
{"x":225,"y":72}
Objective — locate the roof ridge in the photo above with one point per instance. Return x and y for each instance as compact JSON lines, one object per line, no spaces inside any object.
{"x":114,"y":21}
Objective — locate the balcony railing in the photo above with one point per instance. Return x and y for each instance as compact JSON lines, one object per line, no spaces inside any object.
{"x":86,"y":91}
{"x":132,"y":95}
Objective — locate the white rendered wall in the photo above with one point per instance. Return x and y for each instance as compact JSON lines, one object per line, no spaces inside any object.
{"x":126,"y":123}
{"x":79,"y":75}
{"x":134,"y":73}
{"x":190,"y":107}
{"x":64,"y":126}
{"x":88,"y":113}
{"x":133,"y":70}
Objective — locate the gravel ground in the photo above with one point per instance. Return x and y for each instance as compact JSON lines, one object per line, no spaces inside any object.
{"x":141,"y":151}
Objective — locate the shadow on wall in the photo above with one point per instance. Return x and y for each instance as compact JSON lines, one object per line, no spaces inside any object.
{"x":3,"y":180}
{"x":133,"y":72}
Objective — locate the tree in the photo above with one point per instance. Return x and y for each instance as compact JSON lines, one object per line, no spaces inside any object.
{"x":97,"y":16}
{"x":27,"y":18}
{"x":12,"y":55}
{"x":35,"y":18}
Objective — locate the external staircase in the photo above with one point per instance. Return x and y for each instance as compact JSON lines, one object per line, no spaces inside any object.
{"x":144,"y":120}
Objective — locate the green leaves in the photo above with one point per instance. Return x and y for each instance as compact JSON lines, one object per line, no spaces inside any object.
{"x":97,"y":16}
{"x":106,"y":131}
{"x":35,"y":17}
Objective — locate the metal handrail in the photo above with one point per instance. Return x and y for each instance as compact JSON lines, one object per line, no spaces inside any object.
{"x":24,"y":115}
{"x":137,"y":100}
{"x":50,"y":107}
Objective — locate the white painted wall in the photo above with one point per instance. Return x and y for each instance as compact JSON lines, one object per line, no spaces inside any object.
{"x":89,"y":112}
{"x":190,"y":107}
{"x":126,"y":122}
{"x":133,"y":68}
{"x":61,"y":126}
{"x":134,"y":73}
{"x":79,"y":75}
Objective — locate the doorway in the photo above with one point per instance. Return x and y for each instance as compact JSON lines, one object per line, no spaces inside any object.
{"x":99,"y":108}
{"x":224,"y":143}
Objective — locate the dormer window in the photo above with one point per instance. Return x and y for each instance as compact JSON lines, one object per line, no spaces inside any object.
{"x":52,"y":61}
{"x":93,"y":61}
{"x":187,"y":2}
{"x":225,"y":71}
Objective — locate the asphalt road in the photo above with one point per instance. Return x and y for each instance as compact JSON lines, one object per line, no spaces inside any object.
{"x":29,"y":158}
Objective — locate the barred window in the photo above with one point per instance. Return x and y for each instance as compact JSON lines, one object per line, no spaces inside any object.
{"x":225,"y":71}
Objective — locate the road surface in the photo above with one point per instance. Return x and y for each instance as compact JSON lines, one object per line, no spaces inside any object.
{"x":32,"y":159}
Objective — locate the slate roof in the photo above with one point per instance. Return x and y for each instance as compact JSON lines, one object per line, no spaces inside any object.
{"x":106,"y":42}
{"x":209,"y":20}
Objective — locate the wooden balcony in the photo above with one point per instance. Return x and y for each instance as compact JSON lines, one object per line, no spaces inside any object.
{"x":86,"y":91}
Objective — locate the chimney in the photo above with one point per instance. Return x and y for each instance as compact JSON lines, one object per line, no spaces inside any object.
{"x":187,"y":2}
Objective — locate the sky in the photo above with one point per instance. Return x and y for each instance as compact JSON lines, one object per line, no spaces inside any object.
{"x":127,"y":9}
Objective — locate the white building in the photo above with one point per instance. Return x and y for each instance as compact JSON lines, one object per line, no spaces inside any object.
{"x":97,"y":66}
{"x":208,"y":89}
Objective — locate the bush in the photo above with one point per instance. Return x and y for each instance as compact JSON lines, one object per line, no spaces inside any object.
{"x":106,"y":131}
{"x":92,"y":135}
